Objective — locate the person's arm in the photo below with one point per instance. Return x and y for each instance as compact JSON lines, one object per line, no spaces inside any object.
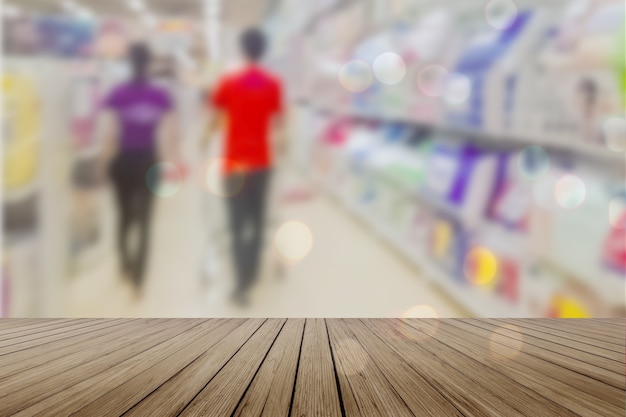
{"x":280,"y":133}
{"x":170,"y":137}
{"x":110,"y":135}
{"x":213,"y":126}
{"x":216,"y":103}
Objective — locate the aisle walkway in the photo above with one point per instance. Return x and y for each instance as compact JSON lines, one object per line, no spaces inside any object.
{"x":348,"y":273}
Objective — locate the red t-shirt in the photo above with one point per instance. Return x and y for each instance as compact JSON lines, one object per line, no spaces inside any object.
{"x":249,"y":98}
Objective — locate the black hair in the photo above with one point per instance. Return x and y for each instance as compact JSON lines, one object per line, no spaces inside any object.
{"x":253,"y":44}
{"x":139,"y":57}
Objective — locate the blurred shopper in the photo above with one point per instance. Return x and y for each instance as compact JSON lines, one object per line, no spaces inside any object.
{"x":138,"y":111}
{"x":249,"y":101}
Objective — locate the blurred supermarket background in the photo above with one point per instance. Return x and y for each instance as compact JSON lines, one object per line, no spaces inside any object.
{"x":447,"y":158}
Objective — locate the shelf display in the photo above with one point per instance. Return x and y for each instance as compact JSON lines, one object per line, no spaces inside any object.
{"x":21,"y":124}
{"x":438,"y":200}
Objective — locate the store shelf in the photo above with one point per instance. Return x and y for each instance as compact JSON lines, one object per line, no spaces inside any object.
{"x":478,"y":301}
{"x":611,"y":286}
{"x":19,"y":194}
{"x":589,"y":152}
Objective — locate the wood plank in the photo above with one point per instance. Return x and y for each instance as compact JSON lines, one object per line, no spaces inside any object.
{"x":313,"y":367}
{"x":472,"y":388}
{"x":10,"y":326}
{"x":316,"y":387}
{"x":613,"y":376}
{"x":372,"y":392}
{"x":583,"y":396}
{"x":222,"y":394}
{"x":419,"y":395}
{"x":583,"y":327}
{"x":173,"y":396}
{"x":271,"y":391}
{"x":47,"y":325}
{"x":115,"y":396}
{"x":11,"y":322}
{"x":575,"y":344}
{"x":52,"y":380}
{"x":547,"y":347}
{"x":58,"y":329}
{"x":535,"y":325}
{"x":103,"y":333}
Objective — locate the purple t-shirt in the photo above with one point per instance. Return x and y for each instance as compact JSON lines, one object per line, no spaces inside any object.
{"x":139,"y":108}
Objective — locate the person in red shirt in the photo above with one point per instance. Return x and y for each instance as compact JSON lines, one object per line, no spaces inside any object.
{"x":249,"y":101}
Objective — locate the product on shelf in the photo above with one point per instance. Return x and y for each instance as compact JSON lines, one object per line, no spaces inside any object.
{"x":489,"y":61}
{"x":614,"y":248}
{"x":432,"y":44}
{"x":21,"y":123}
{"x":460,"y":178}
{"x":511,"y":200}
{"x":576,"y":66}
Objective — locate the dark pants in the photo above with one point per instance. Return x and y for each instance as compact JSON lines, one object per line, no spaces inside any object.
{"x":134,"y":200}
{"x":247,"y":219}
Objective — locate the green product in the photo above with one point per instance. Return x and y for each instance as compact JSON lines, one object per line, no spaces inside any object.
{"x":619,"y":61}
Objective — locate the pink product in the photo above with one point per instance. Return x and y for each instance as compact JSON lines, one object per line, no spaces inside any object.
{"x":614,"y":250}
{"x":86,"y":106}
{"x":337,"y":133}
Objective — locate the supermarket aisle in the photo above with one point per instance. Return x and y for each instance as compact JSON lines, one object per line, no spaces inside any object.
{"x":348,"y":272}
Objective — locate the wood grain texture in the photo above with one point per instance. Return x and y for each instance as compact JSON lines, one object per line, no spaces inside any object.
{"x":312,"y":367}
{"x":172,"y":397}
{"x":269,"y":394}
{"x":316,"y":386}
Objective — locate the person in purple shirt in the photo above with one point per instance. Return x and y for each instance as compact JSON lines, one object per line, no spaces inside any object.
{"x":139,"y":110}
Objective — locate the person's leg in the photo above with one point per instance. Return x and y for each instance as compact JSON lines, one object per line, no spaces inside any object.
{"x":236,"y":213}
{"x":123,"y":196}
{"x":256,"y":213}
{"x":142,"y":217}
{"x":143,"y":220}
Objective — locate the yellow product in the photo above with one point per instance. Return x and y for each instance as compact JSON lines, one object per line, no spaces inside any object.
{"x":443,"y":238}
{"x":21,"y":122}
{"x":568,"y":308}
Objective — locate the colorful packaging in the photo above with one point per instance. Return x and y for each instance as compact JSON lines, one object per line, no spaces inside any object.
{"x":21,"y":123}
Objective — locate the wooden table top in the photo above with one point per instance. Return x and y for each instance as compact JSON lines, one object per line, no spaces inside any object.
{"x":312,"y":367}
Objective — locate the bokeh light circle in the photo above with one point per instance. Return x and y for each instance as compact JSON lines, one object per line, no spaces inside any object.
{"x":614,"y":130}
{"x":500,"y":14}
{"x":421,"y":311}
{"x":506,"y":342}
{"x":457,"y":88}
{"x":293,"y":241}
{"x":533,"y":162}
{"x":217,"y":181}
{"x":431,"y":80}
{"x":164,"y":179}
{"x":389,"y":68}
{"x":480,"y":266}
{"x":569,"y":191}
{"x":617,"y":212}
{"x":356,"y":76}
{"x":419,"y":330}
{"x":352,"y":358}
